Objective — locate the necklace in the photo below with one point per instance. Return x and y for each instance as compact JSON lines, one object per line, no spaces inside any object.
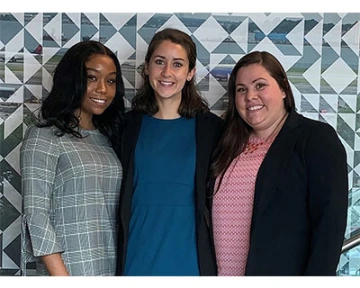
{"x":250,"y":147}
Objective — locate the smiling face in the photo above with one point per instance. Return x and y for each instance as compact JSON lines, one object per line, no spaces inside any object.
{"x":168,"y":70}
{"x":101,"y":88}
{"x":259,"y":99}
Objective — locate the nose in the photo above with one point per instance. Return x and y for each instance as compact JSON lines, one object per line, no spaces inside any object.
{"x":251,"y":95}
{"x":101,"y":87}
{"x":166,"y":71}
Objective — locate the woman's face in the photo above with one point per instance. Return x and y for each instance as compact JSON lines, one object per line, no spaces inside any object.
{"x":101,"y":86}
{"x":168,"y":70}
{"x":259,"y":99}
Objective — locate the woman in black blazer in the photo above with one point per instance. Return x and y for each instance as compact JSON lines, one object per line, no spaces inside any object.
{"x":280,"y":180}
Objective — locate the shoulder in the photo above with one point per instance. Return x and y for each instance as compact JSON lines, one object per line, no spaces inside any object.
{"x":42,"y":133}
{"x":210,"y":117}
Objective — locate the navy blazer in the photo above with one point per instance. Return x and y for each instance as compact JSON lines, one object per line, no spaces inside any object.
{"x":300,"y":202}
{"x":208,"y":130}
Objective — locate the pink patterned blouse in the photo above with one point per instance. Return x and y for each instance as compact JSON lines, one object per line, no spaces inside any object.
{"x":232,"y":208}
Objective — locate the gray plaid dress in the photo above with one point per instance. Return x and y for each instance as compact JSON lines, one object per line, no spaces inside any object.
{"x":70,"y":191}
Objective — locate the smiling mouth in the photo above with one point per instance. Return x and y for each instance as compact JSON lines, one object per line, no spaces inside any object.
{"x":98,"y":101}
{"x":255,"y":108}
{"x":166,"y":83}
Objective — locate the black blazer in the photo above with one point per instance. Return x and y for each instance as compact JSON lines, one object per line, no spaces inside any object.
{"x":208,"y":129}
{"x":300,"y":202}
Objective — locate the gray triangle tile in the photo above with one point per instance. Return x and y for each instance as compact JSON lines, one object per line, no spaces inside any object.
{"x":193,"y":21}
{"x":69,"y":28}
{"x":13,"y":249}
{"x":88,"y":29}
{"x":128,"y":31}
{"x":228,"y":46}
{"x":345,"y":131}
{"x":9,"y":27}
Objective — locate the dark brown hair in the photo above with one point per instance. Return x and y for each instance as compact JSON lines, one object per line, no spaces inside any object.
{"x":237,"y":131}
{"x":191,"y":101}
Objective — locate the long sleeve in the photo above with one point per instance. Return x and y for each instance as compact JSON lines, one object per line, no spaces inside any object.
{"x":327,"y":175}
{"x":38,"y":162}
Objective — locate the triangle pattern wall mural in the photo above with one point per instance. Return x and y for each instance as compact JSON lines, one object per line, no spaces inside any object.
{"x":320,"y":52}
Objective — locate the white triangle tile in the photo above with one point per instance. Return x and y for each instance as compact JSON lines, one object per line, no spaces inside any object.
{"x":13,"y":121}
{"x":1,"y":122}
{"x":2,"y":45}
{"x":349,"y":151}
{"x":141,"y":47}
{"x":330,"y":118}
{"x":53,"y":28}
{"x":314,"y":37}
{"x":296,"y":38}
{"x":339,"y":75}
{"x":127,"y":103}
{"x":349,"y":119}
{"x":11,"y":194}
{"x":350,"y":100}
{"x":48,"y":53}
{"x":312,"y":75}
{"x":75,"y":39}
{"x":14,"y":45}
{"x":267,"y":45}
{"x":332,"y":100}
{"x":201,"y":71}
{"x":17,"y":97}
{"x":240,"y":35}
{"x":215,"y":59}
{"x":210,"y":34}
{"x":36,"y":90}
{"x":116,"y":21}
{"x":143,"y":18}
{"x":355,"y":195}
{"x":31,"y":65}
{"x":127,"y":84}
{"x":174,"y":22}
{"x":34,"y":27}
{"x":94,"y":18}
{"x":32,"y":106}
{"x":216,"y":91}
{"x":96,"y":36}
{"x":75,"y":18}
{"x":266,"y":23}
{"x":357,"y":169}
{"x":313,"y":99}
{"x":11,"y":232}
{"x":7,"y":262}
{"x":119,"y":44}
{"x":46,"y":79}
{"x":333,"y":37}
{"x":297,"y":96}
{"x":19,"y":17}
{"x":237,"y":57}
{"x":311,"y":115}
{"x":351,"y":38}
{"x":10,"y":77}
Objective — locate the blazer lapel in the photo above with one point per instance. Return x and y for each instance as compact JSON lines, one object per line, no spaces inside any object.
{"x":274,"y":163}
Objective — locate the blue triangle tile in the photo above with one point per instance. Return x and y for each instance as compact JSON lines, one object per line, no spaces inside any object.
{"x":13,"y":250}
{"x":229,"y":24}
{"x":192,"y":21}
{"x":128,"y":31}
{"x":28,"y":17}
{"x":345,"y":131}
{"x":228,"y":46}
{"x":311,"y":20}
{"x":69,"y":28}
{"x":31,"y":44}
{"x":88,"y":29}
{"x":106,"y":30}
{"x":203,"y":54}
{"x":9,"y":27}
{"x":48,"y":41}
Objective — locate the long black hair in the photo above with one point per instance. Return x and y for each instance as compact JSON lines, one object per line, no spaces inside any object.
{"x":69,"y":88}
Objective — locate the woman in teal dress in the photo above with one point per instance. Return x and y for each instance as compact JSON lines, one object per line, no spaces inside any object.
{"x":165,"y":151}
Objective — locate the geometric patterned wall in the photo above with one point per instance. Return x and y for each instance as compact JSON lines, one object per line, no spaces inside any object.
{"x":320,"y":52}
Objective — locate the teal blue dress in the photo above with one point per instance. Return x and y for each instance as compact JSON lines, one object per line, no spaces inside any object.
{"x":162,"y":240}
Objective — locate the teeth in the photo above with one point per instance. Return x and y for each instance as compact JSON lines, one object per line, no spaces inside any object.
{"x":166,"y":83}
{"x":255,"y":107}
{"x":101,"y":101}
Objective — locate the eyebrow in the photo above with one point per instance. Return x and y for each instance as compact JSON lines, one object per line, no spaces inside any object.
{"x":255,"y":80}
{"x":175,"y":59}
{"x":97,"y":71}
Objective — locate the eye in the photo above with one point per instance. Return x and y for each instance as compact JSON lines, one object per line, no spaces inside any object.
{"x":178,"y":64}
{"x":159,"y":61}
{"x":240,"y":90}
{"x":91,"y":77}
{"x":260,"y":86}
{"x":111,"y":81}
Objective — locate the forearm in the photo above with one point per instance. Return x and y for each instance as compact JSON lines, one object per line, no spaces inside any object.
{"x":55,"y":265}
